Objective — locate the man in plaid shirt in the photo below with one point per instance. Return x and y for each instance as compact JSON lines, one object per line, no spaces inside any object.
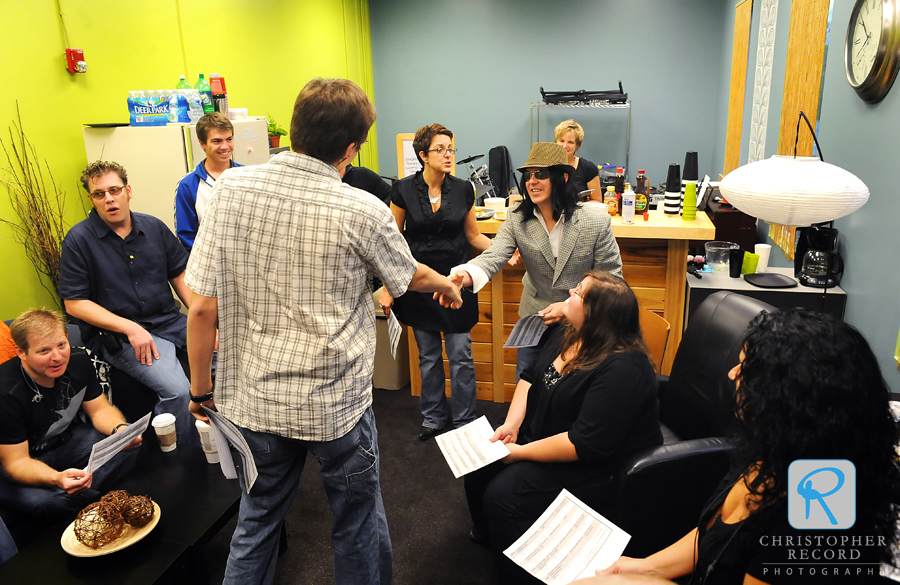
{"x":281,"y":262}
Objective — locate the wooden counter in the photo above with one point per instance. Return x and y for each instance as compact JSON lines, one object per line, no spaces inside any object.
{"x":654,"y":256}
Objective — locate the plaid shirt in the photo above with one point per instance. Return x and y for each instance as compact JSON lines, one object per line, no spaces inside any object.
{"x":286,"y":248}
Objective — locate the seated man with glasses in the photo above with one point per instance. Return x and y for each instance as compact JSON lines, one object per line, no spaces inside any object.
{"x":114,"y":276}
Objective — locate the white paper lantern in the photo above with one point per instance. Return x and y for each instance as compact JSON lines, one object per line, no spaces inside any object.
{"x":794,"y":191}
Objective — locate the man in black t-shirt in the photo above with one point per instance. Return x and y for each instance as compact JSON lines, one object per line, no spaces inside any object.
{"x":44,"y":394}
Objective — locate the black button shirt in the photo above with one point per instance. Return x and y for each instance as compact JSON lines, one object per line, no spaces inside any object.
{"x":127,"y":277}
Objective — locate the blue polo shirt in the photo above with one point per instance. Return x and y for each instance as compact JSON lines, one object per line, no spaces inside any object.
{"x":127,"y":277}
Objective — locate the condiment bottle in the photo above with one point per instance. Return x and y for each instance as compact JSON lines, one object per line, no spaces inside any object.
{"x":611,"y":200}
{"x":628,"y":205}
{"x":620,"y":180}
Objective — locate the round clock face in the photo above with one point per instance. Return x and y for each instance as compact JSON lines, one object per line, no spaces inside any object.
{"x":866,"y":26}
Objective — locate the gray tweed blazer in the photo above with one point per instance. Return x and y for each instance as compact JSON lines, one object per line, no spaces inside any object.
{"x":587,"y":242}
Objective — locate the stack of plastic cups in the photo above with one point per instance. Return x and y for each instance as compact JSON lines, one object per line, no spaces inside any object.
{"x":691,"y":173}
{"x":689,"y":209}
{"x":672,"y":200}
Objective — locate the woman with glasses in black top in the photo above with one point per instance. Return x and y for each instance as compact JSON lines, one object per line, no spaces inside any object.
{"x":435,"y":212}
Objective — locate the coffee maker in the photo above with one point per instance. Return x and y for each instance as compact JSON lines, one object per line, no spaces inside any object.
{"x":816,"y":261}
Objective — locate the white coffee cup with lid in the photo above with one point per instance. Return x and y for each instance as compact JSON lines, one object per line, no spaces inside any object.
{"x":207,"y":441}
{"x":164,"y":424}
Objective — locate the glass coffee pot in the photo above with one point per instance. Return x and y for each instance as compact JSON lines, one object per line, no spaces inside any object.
{"x":822,"y":265}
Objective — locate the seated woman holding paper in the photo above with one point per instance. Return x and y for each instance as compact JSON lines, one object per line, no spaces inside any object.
{"x":808,"y":389}
{"x":558,"y":238}
{"x":589,"y":399}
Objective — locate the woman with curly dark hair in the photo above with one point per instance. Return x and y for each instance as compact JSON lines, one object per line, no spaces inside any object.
{"x":808,"y":388}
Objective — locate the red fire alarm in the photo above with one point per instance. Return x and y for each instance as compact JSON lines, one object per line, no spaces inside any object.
{"x":75,"y":61}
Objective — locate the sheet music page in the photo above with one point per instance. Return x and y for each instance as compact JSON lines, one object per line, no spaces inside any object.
{"x":225,"y":432}
{"x":527,"y":332}
{"x":395,"y":329}
{"x":569,"y":541}
{"x":106,"y":449}
{"x":469,"y":448}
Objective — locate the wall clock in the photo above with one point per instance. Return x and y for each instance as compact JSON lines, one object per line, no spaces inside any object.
{"x":872,"y":49}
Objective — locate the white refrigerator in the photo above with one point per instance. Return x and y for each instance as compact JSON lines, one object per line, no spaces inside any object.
{"x":157,"y":157}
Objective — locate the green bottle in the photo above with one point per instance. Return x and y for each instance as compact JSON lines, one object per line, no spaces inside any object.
{"x":206,"y":95}
{"x":182,"y":83}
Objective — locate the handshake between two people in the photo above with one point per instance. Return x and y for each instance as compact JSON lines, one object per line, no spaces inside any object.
{"x":452,"y":298}
{"x":446,"y":289}
{"x":461,"y":279}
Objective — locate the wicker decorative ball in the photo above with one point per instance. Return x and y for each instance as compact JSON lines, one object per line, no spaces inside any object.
{"x":116,"y":498}
{"x":138,"y":511}
{"x":99,"y":524}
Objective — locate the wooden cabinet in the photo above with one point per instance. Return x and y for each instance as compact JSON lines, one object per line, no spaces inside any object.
{"x":733,"y":225}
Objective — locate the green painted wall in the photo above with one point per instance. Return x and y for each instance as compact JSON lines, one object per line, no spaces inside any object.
{"x":265,"y":50}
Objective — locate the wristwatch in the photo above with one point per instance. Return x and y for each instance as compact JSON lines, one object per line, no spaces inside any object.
{"x":201,"y":399}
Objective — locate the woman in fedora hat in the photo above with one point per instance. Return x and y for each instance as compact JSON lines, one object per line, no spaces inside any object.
{"x":435,"y":213}
{"x":559,"y":241}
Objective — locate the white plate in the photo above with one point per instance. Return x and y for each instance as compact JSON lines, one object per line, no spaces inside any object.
{"x":500,"y":215}
{"x":129,"y":536}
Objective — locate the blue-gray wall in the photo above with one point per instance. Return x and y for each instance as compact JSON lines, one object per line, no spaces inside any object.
{"x":863,"y":139}
{"x":477,"y":65}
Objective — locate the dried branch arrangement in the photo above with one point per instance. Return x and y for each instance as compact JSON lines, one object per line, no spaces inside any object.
{"x":39,"y":205}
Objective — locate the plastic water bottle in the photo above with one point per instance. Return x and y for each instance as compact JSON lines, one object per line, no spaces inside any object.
{"x":182,"y":83}
{"x":206,"y":95}
{"x":628,"y":205}
{"x":178,"y":107}
{"x":195,"y":105}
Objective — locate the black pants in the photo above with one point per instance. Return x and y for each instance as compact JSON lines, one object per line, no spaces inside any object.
{"x":505,"y":500}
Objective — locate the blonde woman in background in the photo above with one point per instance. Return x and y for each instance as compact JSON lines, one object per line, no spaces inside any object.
{"x":569,"y":134}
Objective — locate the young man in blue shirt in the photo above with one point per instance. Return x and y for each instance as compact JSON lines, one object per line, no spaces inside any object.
{"x":215,"y":133}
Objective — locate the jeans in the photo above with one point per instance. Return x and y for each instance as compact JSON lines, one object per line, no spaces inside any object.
{"x":53,"y":503}
{"x":349,"y":468}
{"x":433,"y":400}
{"x":165,"y":377}
{"x":7,"y":544}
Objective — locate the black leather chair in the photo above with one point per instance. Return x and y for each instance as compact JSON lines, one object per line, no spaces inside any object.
{"x":661,"y":491}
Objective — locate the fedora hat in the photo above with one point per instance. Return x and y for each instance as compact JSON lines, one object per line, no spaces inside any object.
{"x":547,"y":155}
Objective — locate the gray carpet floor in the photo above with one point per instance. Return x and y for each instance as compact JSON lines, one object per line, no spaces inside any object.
{"x":425,"y":505}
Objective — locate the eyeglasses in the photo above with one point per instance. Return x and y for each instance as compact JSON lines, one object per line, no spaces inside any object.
{"x":441,"y":151}
{"x":114,"y":191}
{"x":577,"y":291}
{"x":540,"y":175}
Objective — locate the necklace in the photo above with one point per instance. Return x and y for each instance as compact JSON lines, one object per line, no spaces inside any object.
{"x":37,"y":393}
{"x":434,"y":199}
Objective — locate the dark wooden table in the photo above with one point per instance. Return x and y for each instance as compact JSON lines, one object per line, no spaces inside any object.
{"x":195,"y":501}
